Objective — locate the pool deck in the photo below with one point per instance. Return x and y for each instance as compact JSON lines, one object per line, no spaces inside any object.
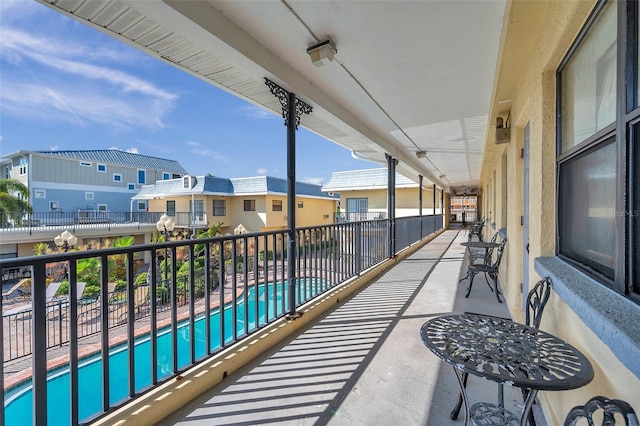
{"x":364,"y":362}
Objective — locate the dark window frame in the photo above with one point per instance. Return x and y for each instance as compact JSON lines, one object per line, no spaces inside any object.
{"x":276,"y":205}
{"x":219,"y":210}
{"x":250,"y":205}
{"x":627,"y":121}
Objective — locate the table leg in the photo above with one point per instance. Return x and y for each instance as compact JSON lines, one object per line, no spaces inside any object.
{"x":463,"y":392}
{"x":528,"y":403}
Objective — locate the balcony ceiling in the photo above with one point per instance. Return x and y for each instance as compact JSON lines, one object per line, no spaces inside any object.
{"x":408,"y":75}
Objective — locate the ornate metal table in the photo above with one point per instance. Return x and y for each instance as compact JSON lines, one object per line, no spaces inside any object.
{"x":507,"y":352}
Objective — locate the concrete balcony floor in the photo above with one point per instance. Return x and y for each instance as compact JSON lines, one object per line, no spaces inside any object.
{"x":363,"y":363}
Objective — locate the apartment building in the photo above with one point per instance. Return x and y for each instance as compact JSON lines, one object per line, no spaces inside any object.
{"x":257,"y":203}
{"x":91,"y":180}
{"x":363,"y":195}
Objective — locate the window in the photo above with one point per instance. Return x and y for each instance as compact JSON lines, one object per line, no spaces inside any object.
{"x":219,"y":207}
{"x":131,"y":186}
{"x":142,"y":176}
{"x":40,"y":193}
{"x":88,"y":195}
{"x":53,"y":206}
{"x":171,"y":207}
{"x":597,"y":202}
{"x":276,"y":205}
{"x":85,"y":164}
{"x":187,"y":182}
{"x":165,"y":176}
{"x":176,"y":176}
{"x":142,"y":205}
{"x":7,"y":172}
{"x":300,"y":204}
{"x":23,"y":166}
{"x":102,"y":207}
{"x":357,"y":209}
{"x":117,"y":177}
{"x":101,"y":168}
{"x":249,"y":205}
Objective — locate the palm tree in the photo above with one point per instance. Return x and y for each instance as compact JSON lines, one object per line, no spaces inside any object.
{"x":14,"y":196}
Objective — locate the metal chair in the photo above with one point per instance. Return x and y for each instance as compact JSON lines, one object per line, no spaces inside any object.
{"x":537,"y":299}
{"x":488,"y":268}
{"x":609,"y":407}
{"x":476,"y":254}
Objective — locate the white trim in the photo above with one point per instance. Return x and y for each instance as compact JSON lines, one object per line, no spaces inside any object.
{"x":54,"y":206}
{"x":100,"y":209}
{"x":89,"y":195}
{"x":117,"y":180}
{"x":85,"y":163}
{"x":130,"y":185}
{"x":42,"y":191}
{"x":138,"y":176}
{"x":80,"y":187}
{"x":98,"y":165}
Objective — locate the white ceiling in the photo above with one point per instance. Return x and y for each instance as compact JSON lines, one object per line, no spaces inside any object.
{"x":408,"y":75}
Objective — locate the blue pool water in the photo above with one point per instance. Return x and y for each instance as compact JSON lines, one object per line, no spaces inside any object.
{"x":18,"y":410}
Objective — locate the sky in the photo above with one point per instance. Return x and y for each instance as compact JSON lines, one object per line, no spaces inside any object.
{"x":66,"y":86}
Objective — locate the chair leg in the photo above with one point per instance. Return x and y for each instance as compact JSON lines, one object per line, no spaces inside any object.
{"x":456,"y":409}
{"x":531,"y":420}
{"x":495,"y":287}
{"x":473,"y":274}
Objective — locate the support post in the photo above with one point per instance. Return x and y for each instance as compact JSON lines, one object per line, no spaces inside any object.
{"x":420,"y":202}
{"x":391,"y":203}
{"x":292,"y":109}
{"x":434,"y":207}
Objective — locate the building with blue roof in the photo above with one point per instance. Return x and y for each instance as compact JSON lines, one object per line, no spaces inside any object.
{"x":258,"y":203}
{"x":86,"y":180}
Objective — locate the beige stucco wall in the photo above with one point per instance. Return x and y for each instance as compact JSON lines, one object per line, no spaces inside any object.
{"x":314,"y":211}
{"x":407,"y":200}
{"x":533,"y":102}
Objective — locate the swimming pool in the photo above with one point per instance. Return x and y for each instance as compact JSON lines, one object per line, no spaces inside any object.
{"x":18,"y":402}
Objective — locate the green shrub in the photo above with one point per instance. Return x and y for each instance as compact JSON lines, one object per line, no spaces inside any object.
{"x":269,"y":255}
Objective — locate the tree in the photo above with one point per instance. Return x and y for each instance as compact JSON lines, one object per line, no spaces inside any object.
{"x":14,"y":202}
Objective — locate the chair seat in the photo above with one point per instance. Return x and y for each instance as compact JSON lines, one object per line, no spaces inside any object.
{"x":487,"y":414}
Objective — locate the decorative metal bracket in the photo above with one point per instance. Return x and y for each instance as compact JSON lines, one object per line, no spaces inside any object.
{"x":283,"y":97}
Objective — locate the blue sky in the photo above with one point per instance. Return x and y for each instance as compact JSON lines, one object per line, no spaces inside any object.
{"x":65,"y":86}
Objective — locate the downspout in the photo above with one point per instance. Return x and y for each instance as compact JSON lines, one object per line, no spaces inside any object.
{"x":434,"y":207}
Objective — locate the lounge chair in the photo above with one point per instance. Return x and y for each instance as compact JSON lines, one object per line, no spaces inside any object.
{"x":14,"y":288}
{"x":51,"y":291}
{"x":140,"y":300}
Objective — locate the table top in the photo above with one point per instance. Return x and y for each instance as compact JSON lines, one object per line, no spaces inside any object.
{"x":506,"y":351}
{"x":480,"y":244}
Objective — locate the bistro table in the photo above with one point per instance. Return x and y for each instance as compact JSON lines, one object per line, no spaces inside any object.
{"x":507,"y":352}
{"x":486,"y":245}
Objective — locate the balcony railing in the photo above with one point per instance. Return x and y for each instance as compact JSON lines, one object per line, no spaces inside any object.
{"x":94,"y":219}
{"x":196,"y":298}
{"x":358,"y":216}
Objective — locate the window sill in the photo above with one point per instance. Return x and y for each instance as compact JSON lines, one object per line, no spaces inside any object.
{"x":612,"y":317}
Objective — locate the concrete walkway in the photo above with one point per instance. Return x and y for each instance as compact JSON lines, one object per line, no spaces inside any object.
{"x":364,"y":363}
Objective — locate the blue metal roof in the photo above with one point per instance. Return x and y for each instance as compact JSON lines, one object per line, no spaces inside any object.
{"x":114,"y":156}
{"x":211,"y":185}
{"x":364,"y":179}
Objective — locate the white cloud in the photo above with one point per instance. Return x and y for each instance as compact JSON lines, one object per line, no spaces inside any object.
{"x":262,"y":171}
{"x":132,"y":150}
{"x":253,"y":111}
{"x":54,"y":148}
{"x":54,"y":79}
{"x":313,"y":180}
{"x":214,"y":155}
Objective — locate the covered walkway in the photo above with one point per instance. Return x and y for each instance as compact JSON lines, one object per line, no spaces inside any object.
{"x":364,"y":363}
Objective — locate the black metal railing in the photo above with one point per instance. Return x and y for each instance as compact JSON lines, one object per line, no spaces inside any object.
{"x":346,"y":216}
{"x":194,"y":298}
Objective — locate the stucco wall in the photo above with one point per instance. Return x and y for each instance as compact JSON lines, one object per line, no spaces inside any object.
{"x":533,"y":101}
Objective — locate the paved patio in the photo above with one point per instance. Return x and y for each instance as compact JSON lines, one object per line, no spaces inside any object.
{"x":364,"y":363}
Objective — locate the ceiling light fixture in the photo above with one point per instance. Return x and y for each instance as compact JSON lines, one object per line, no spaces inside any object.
{"x":322,"y":53}
{"x":421,"y":154}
